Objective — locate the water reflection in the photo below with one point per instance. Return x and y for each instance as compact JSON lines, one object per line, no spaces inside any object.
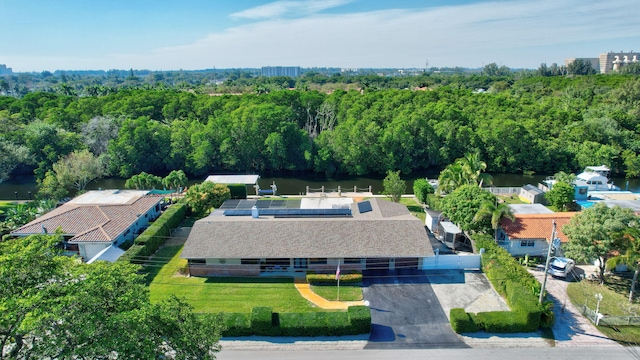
{"x":24,"y":187}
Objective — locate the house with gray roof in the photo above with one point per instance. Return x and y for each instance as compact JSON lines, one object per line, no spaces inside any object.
{"x":249,"y":238}
{"x":97,"y":220}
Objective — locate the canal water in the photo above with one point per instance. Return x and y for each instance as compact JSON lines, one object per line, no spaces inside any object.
{"x":24,"y":187}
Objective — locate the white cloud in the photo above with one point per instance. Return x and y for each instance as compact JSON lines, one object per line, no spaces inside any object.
{"x":285,"y":8}
{"x":515,"y":33}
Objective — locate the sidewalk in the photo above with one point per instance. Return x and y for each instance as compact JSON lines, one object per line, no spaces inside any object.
{"x":307,"y":293}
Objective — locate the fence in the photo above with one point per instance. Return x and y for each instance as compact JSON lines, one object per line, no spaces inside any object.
{"x":338,"y":190}
{"x":606,"y":320}
{"x":503,"y":190}
{"x":443,"y":262}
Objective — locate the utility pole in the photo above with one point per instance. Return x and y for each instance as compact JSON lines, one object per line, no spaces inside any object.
{"x":546,"y":267}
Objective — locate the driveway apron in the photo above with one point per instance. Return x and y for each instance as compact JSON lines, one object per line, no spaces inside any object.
{"x":405,"y":312}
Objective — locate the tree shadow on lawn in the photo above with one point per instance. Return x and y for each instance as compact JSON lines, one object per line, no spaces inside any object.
{"x":155,"y":264}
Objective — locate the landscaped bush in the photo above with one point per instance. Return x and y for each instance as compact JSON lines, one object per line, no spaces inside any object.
{"x":155,"y":235}
{"x":314,"y":324}
{"x":236,"y":324}
{"x":360,"y":319}
{"x":238,"y":191}
{"x":519,"y":288}
{"x":330,"y":279}
{"x":461,"y":322}
{"x":262,"y":320}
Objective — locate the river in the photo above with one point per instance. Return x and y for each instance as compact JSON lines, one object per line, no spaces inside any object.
{"x":24,"y":187}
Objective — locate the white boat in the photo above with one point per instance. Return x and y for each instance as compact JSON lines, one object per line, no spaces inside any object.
{"x":595,"y":178}
{"x":433,"y":182}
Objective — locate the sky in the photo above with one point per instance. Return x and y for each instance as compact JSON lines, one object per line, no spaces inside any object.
{"x":38,"y":35}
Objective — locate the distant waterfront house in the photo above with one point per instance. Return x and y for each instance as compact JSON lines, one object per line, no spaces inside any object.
{"x":294,"y":236}
{"x":97,"y":220}
{"x":531,"y":233}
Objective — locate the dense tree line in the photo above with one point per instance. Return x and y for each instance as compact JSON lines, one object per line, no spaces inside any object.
{"x":536,"y":124}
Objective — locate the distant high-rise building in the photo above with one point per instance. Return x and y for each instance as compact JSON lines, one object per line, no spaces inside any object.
{"x":4,"y":70}
{"x":612,"y":62}
{"x":608,"y":63}
{"x":291,"y":71}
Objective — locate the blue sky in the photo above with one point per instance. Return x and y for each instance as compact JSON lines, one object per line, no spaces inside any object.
{"x":42,"y":35}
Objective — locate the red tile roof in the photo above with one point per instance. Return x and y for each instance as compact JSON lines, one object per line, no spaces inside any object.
{"x":536,"y":226}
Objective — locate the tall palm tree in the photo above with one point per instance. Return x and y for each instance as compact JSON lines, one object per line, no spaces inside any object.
{"x":631,"y":257}
{"x":450,"y":179}
{"x":496,"y":211}
{"x":473,"y":168}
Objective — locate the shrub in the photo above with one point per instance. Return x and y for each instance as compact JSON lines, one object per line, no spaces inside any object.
{"x":262,"y":320}
{"x":238,"y":191}
{"x":236,"y":324}
{"x":155,"y":235}
{"x":330,"y":279}
{"x":461,"y":322}
{"x":421,"y":189}
{"x":360,"y":319}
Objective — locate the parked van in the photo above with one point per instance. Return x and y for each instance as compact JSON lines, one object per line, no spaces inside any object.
{"x":561,"y":267}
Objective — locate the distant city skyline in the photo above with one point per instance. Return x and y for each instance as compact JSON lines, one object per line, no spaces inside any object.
{"x":200,"y":34}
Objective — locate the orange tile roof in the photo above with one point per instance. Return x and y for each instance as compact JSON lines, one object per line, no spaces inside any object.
{"x":536,"y":226}
{"x":90,"y":223}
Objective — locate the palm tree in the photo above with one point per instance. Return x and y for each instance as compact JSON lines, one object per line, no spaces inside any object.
{"x":496,"y":211}
{"x":450,"y":179}
{"x":631,"y":257}
{"x":473,"y":167}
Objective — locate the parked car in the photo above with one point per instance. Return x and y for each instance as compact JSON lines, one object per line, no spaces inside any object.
{"x":561,"y":267}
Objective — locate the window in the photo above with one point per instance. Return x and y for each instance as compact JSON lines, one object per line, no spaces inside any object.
{"x":197,"y":261}
{"x":352,"y":261}
{"x":318,"y":261}
{"x":527,"y":243}
{"x":249,"y":261}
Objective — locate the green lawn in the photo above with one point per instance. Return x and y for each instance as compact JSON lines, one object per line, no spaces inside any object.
{"x":213,"y":295}
{"x":511,"y":199}
{"x":614,"y":302}
{"x":414,"y":207}
{"x":6,"y":205}
{"x":348,"y":292}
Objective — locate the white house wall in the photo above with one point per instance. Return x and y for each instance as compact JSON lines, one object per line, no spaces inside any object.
{"x":515,"y":248}
{"x":88,"y":251}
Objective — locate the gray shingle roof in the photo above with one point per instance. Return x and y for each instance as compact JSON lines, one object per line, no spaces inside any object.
{"x":389,"y":230}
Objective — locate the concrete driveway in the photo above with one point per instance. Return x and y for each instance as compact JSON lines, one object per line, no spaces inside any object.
{"x":571,"y":328}
{"x":410,"y":309}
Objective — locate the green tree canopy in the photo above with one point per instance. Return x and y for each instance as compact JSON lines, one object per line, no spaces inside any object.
{"x":394,"y":187}
{"x":495,"y":211}
{"x":594,"y":233}
{"x":55,"y":307}
{"x":79,"y":168}
{"x":422,"y":188}
{"x":561,"y":196}
{"x":202,"y":197}
{"x":462,"y":205}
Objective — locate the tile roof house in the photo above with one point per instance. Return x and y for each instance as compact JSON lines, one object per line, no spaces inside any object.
{"x":97,"y":219}
{"x":385,"y":237}
{"x":531,"y":233}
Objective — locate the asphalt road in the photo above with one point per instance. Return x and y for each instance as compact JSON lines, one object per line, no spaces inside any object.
{"x":406,"y":313}
{"x":551,"y":353}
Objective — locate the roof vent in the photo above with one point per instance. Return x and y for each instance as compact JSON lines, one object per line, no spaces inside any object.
{"x":254,"y":212}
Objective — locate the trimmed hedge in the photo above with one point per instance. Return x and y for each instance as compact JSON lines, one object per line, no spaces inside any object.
{"x":236,"y":324}
{"x":263,"y":321}
{"x":314,"y":279}
{"x":238,"y":191}
{"x":518,"y":287}
{"x":155,"y":235}
{"x":461,"y":321}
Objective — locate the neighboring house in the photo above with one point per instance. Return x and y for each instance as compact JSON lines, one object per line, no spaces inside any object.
{"x":294,"y":236}
{"x":531,"y":233}
{"x":532,"y":194}
{"x":97,"y":220}
{"x":530,"y":209}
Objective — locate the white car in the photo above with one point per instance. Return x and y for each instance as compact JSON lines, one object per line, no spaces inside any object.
{"x":561,"y":267}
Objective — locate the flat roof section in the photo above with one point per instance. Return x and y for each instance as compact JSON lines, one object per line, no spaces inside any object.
{"x":233,"y":179}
